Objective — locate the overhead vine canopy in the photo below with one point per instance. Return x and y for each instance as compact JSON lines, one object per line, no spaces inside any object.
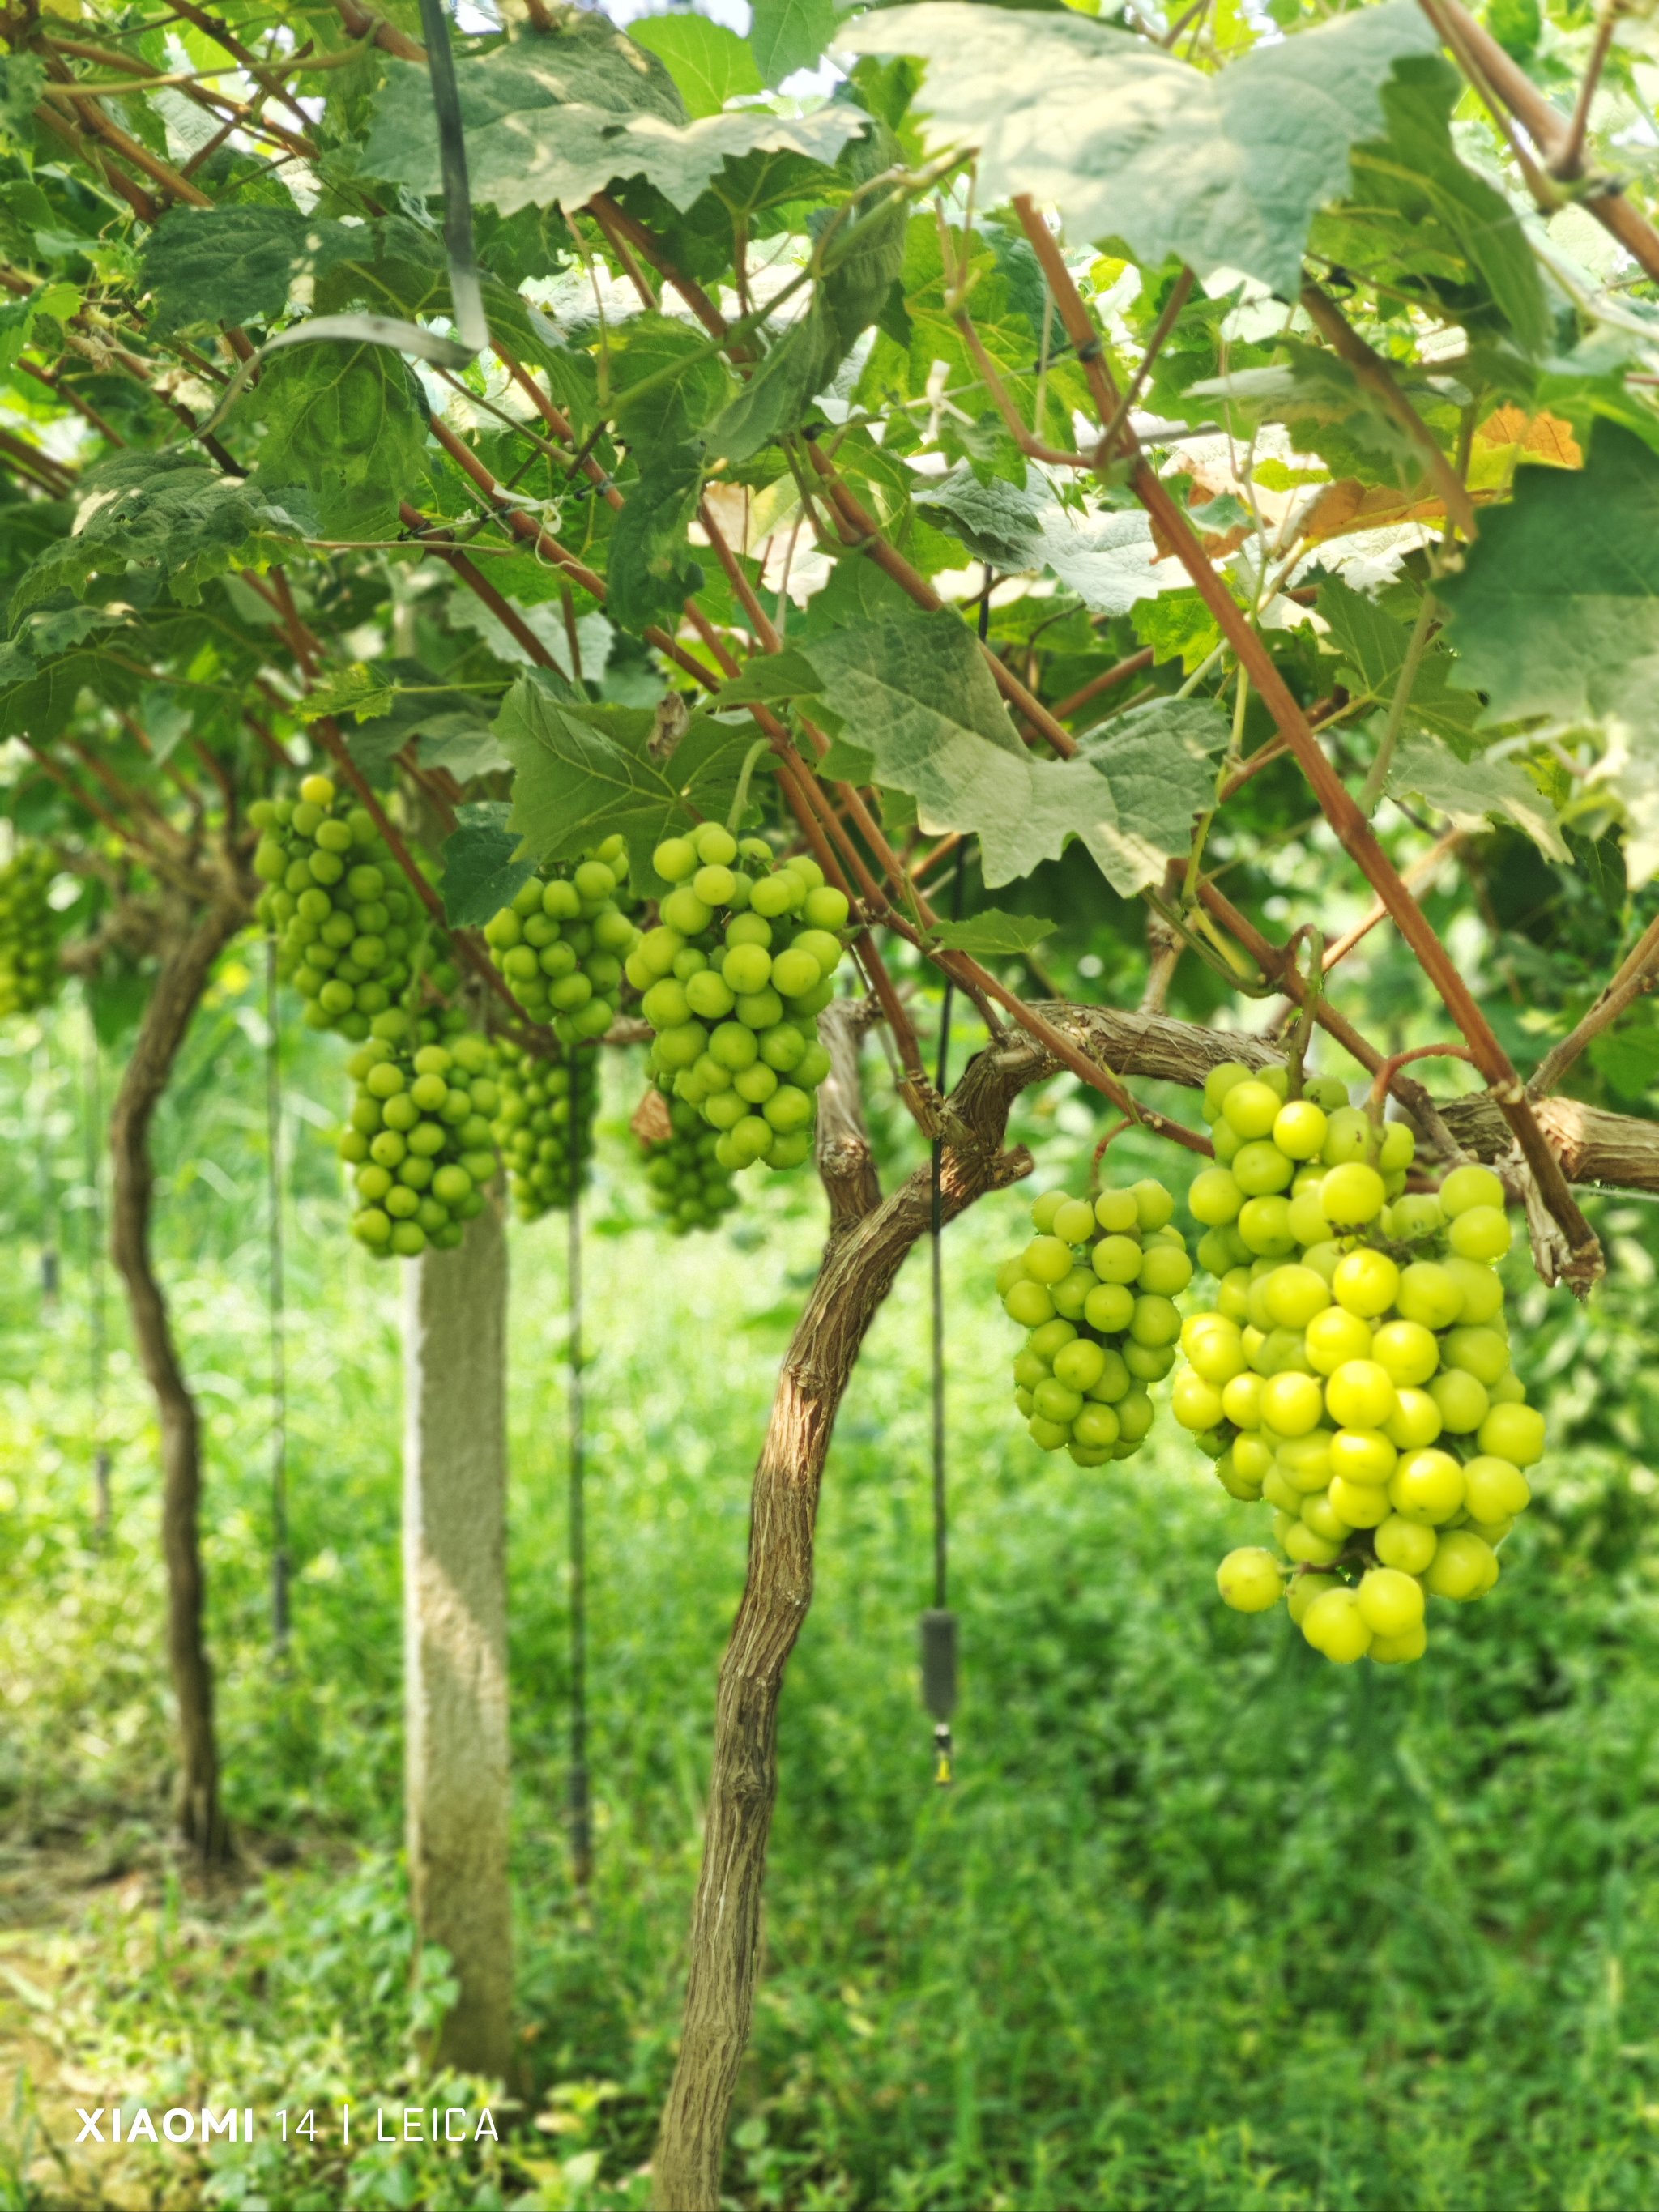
{"x":1042,"y":429}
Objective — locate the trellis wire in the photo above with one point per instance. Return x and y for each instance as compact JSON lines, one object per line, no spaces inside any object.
{"x":581,"y":1819}
{"x":96,"y":1317}
{"x":279,"y":1551}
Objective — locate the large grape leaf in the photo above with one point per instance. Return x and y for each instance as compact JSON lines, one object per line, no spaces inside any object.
{"x":554,"y":119}
{"x":585,"y":773}
{"x":349,"y":424}
{"x":914,"y":697}
{"x":241,"y":263}
{"x":1470,"y":793}
{"x":1107,"y":557}
{"x":481,"y":872}
{"x":1224,"y":171}
{"x":1557,"y":609}
{"x":170,"y":513}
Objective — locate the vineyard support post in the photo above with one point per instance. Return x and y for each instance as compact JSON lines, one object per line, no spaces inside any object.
{"x":455,"y":1632}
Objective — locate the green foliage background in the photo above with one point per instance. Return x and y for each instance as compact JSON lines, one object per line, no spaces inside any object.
{"x":1204,"y":1922}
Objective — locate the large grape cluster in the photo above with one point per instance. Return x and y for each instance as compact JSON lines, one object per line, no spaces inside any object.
{"x":419,"y":1138}
{"x":562,"y":942}
{"x":546,"y":1137}
{"x":1354,"y":1371}
{"x":1095,"y":1288}
{"x":688,"y":1184}
{"x":336,"y":895}
{"x":733,"y":999}
{"x":28,"y":949}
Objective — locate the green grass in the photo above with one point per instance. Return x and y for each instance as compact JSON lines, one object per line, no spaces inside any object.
{"x":1204,"y":1923}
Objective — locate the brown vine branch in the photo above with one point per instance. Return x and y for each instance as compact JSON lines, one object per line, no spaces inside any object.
{"x":1494,"y":75}
{"x":1634,"y":976}
{"x":1585,"y":1262}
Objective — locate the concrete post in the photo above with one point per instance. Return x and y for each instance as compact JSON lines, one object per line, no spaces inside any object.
{"x":455,"y":1632}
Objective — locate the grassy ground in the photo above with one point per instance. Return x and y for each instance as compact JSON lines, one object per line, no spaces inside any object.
{"x":1204,"y":1922}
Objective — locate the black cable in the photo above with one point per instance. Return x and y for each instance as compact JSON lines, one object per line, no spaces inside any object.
{"x":938,"y":1623}
{"x":279,"y":1551}
{"x":581,"y":1819}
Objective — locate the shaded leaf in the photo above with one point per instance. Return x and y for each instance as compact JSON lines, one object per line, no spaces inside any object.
{"x":650,"y":570}
{"x":584,"y":774}
{"x":480,"y":874}
{"x":785,"y":675}
{"x":1105,"y":556}
{"x":1373,"y":645}
{"x":241,"y":263}
{"x":170,"y":514}
{"x":349,"y":423}
{"x":1471,"y":793}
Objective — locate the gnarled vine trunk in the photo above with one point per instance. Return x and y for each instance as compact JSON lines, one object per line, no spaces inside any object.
{"x":869,"y":1237}
{"x":182,"y":976}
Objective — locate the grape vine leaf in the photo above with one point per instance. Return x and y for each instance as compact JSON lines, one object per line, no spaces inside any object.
{"x":242,"y":264}
{"x":991,"y":934}
{"x":170,"y":513}
{"x":481,"y":872}
{"x":1372,"y":646}
{"x":918,"y":705}
{"x":708,"y":63}
{"x":846,"y":300}
{"x":770,"y":676}
{"x":1221,"y":172}
{"x":584,"y":774}
{"x":1470,"y":793}
{"x":649,"y":574}
{"x":1107,"y":557}
{"x":349,"y":423}
{"x":542,"y":128}
{"x":787,"y":35}
{"x":1556,"y":612}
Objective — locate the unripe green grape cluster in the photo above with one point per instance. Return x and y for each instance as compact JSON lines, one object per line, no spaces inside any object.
{"x":1095,"y":1291}
{"x":1353,"y":1372}
{"x":418,"y":1141}
{"x":687,"y":1183}
{"x":562,"y":942}
{"x":336,"y":896}
{"x":733,"y":979}
{"x":545,"y":1145}
{"x":28,"y":938}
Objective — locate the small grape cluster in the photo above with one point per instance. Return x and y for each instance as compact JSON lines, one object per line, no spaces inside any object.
{"x":735,"y":1013}
{"x":336,"y":895}
{"x":687,"y":1183}
{"x":1096,"y":1290}
{"x":419,"y":1136}
{"x":545,"y":1132}
{"x":29,"y":947}
{"x":1354,"y":1371}
{"x":562,"y":942}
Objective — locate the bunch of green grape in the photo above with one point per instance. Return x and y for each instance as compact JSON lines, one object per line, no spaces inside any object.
{"x":546,"y":1139}
{"x":419,"y":1140}
{"x":1095,"y":1288}
{"x":1354,"y":1372}
{"x":733,"y":979}
{"x":29,"y":938}
{"x":336,"y":895}
{"x":562,"y":942}
{"x":688,"y":1185}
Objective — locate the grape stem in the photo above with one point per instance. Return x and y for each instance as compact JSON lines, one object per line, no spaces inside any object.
{"x":1383,"y":1081}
